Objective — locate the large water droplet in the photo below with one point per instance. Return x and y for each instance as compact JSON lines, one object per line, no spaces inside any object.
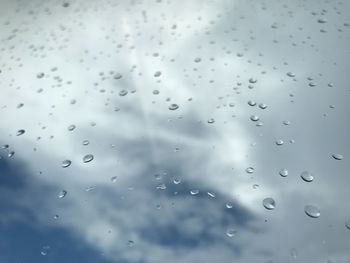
{"x":337,"y":156}
{"x":88,"y":158}
{"x":307,"y":176}
{"x":251,"y":103}
{"x":173,"y":106}
{"x":229,"y":205}
{"x":269,"y":203}
{"x":66,"y":163}
{"x":312,"y":211}
{"x":62,"y":194}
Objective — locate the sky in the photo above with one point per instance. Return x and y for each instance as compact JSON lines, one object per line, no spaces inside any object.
{"x":191,"y":111}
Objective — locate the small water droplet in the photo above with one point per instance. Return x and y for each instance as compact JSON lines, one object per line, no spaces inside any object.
{"x":45,"y":250}
{"x":291,"y":74}
{"x":10,"y":154}
{"x":262,"y":106}
{"x":131,"y":243}
{"x":231,"y":232}
{"x":250,"y":170}
{"x":347,"y":224}
{"x":55,"y":217}
{"x":177,"y":181}
{"x":253,"y":80}
{"x":117,"y":76}
{"x":283,"y":172}
{"x":211,"y":121}
{"x":306,"y":176}
{"x":294,"y":253}
{"x":88,"y":158}
{"x":269,"y":203}
{"x":40,"y":75}
{"x":173,"y":106}
{"x":161,"y":187}
{"x":197,"y":60}
{"x":251,"y":103}
{"x":62,"y":194}
{"x":66,"y":163}
{"x":71,"y":127}
{"x":123,"y":92}
{"x":322,"y":20}
{"x":229,"y":205}
{"x":90,"y":188}
{"x":194,"y":192}
{"x":279,"y":142}
{"x":157,"y":74}
{"x":114,"y":179}
{"x":286,"y":122}
{"x":337,"y":156}
{"x":312,"y":211}
{"x":20,"y":132}
{"x":254,"y":118}
{"x":211,"y":194}
{"x":86,"y":142}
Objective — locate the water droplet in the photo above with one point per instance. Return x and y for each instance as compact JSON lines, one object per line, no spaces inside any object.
{"x":131,"y":243}
{"x":62,"y":194}
{"x":291,"y":74}
{"x":251,"y":103}
{"x":253,"y":80}
{"x":283,"y":172}
{"x":10,"y":154}
{"x":312,"y":211}
{"x":45,"y":250}
{"x":88,"y":158}
{"x":194,"y":192}
{"x":40,"y":75}
{"x":255,"y":186}
{"x":66,"y":163}
{"x":211,"y":194}
{"x":254,"y":118}
{"x":322,"y":20}
{"x":294,"y":253}
{"x":211,"y":121}
{"x":117,"y":76}
{"x":123,"y":92}
{"x":177,"y":181}
{"x":157,"y":74}
{"x":286,"y":122}
{"x":347,"y":224}
{"x":161,"y":187}
{"x":55,"y":217}
{"x":229,"y":205}
{"x":173,"y":107}
{"x":250,"y":170}
{"x":20,"y":132}
{"x":114,"y":179}
{"x":231,"y":232}
{"x":86,"y":142}
{"x":337,"y":156}
{"x":90,"y":188}
{"x":197,"y":60}
{"x":71,"y":127}
{"x":262,"y":106}
{"x":279,"y":142}
{"x":306,"y":176}
{"x":155,"y":92}
{"x":269,"y":203}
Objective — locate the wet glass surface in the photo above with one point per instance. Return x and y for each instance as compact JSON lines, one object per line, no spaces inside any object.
{"x":174,"y":131}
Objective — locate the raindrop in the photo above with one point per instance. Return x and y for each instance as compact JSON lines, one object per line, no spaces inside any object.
{"x":322,"y":20}
{"x":123,"y":92}
{"x":86,"y":142}
{"x":312,"y":211}
{"x":62,"y":194}
{"x":279,"y":142}
{"x":291,"y":74}
{"x":211,"y":194}
{"x":197,"y":60}
{"x":90,"y":188}
{"x":231,"y":232}
{"x":88,"y":158}
{"x":211,"y":121}
{"x":229,"y":205}
{"x":40,"y":75}
{"x":254,"y":118}
{"x":117,"y":76}
{"x":251,"y":103}
{"x":66,"y":163}
{"x":286,"y":122}
{"x":347,"y":224}
{"x":262,"y":106}
{"x":249,"y":170}
{"x":337,"y":156}
{"x":294,"y":253}
{"x":10,"y":154}
{"x":114,"y":179}
{"x":55,"y":217}
{"x":45,"y":250}
{"x":177,"y":181}
{"x":194,"y":192}
{"x":155,"y":92}
{"x":157,"y":74}
{"x":306,"y":176}
{"x":253,"y":80}
{"x":269,"y":203}
{"x":20,"y":132}
{"x":131,"y":243}
{"x":173,"y":107}
{"x":161,"y":187}
{"x":283,"y":172}
{"x":71,"y":127}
